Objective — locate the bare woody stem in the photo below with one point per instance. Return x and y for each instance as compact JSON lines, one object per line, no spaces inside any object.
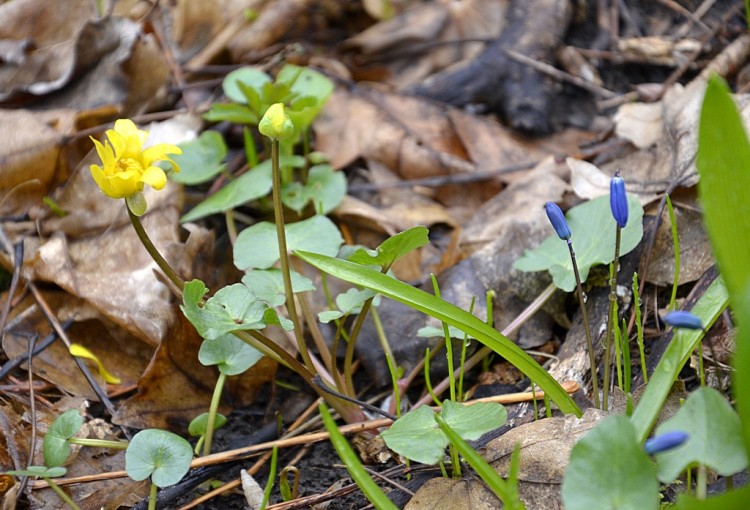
{"x":586,"y":325}
{"x":611,"y":318}
{"x":151,"y":249}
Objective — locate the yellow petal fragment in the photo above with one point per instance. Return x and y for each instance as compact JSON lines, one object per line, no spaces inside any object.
{"x":276,"y":124}
{"x":81,"y":352}
{"x":154,"y":177}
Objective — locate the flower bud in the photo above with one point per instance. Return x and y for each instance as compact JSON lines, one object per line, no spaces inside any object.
{"x":683,"y":319}
{"x":557,"y":218}
{"x":665,"y":442}
{"x":618,"y":200}
{"x":276,"y":123}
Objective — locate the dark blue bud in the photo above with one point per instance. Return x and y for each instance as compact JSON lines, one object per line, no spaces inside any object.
{"x":618,"y":200}
{"x":683,"y":319}
{"x":557,"y":218}
{"x":665,"y":442}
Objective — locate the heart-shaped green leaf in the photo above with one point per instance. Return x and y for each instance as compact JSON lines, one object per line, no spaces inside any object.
{"x":162,"y":455}
{"x":231,"y":355}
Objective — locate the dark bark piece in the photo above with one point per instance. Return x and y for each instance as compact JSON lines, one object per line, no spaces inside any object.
{"x":519,"y":94}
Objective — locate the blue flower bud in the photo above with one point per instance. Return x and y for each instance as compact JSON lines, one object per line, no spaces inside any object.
{"x":683,"y":319}
{"x":618,"y":200}
{"x":557,"y":218}
{"x":665,"y":442}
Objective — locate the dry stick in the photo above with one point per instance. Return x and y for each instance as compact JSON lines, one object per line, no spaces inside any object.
{"x":32,"y":403}
{"x":559,"y":75}
{"x":258,"y":464}
{"x":354,"y":428}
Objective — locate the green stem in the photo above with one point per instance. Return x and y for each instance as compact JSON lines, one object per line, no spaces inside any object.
{"x":212,"y":410}
{"x":639,"y":327}
{"x":278,"y":211}
{"x":349,"y":355}
{"x":151,"y":249}
{"x":701,"y":482}
{"x":676,"y":247}
{"x":68,"y":501}
{"x":99,"y":443}
{"x":611,"y":319}
{"x":586,"y":326}
{"x":152,"y":497}
{"x":448,"y":346}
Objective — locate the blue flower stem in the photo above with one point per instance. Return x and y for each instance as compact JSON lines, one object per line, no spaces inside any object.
{"x":639,"y":327}
{"x":212,"y":410}
{"x":586,"y":325}
{"x":151,"y":249}
{"x":611,"y":319}
{"x":278,"y":212}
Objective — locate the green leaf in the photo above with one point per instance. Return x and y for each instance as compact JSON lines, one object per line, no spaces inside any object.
{"x":308,"y":90}
{"x":732,"y":500}
{"x":392,"y":248}
{"x":39,"y":472}
{"x":723,"y":163}
{"x":258,"y":247}
{"x":369,"y":488}
{"x":417,"y":437}
{"x":609,"y":469}
{"x":507,"y":491}
{"x":268,"y":284}
{"x":715,"y":437}
{"x":349,"y":302}
{"x":446,"y":312}
{"x":233,"y":308}
{"x":325,"y":188}
{"x":472,"y":421}
{"x":57,"y":440}
{"x":251,"y":185}
{"x":713,"y":301}
{"x":162,"y":455}
{"x":201,"y":159}
{"x":250,"y":77}
{"x":237,"y":113}
{"x":198,"y":424}
{"x":593,"y":229}
{"x":231,"y":355}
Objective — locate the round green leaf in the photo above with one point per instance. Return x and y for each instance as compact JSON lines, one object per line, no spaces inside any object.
{"x":609,"y":469}
{"x":162,"y":455}
{"x":198,"y":424}
{"x":201,"y":159}
{"x":593,"y":229}
{"x":715,"y":437}
{"x":417,"y":437}
{"x":57,"y":440}
{"x":471,"y":422}
{"x":231,"y":355}
{"x":258,"y":247}
{"x":250,"y":77}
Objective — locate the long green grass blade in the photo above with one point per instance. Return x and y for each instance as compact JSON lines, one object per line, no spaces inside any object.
{"x":446,"y":312}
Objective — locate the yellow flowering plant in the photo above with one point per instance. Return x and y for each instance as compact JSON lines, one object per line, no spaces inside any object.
{"x":127,"y":166}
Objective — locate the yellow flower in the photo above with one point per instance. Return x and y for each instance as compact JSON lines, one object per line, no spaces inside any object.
{"x":276,"y":123}
{"x":126,"y":165}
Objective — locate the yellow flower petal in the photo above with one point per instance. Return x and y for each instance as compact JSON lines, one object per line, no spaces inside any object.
{"x":101,"y":180}
{"x":82,"y":352}
{"x":159,"y":152}
{"x":154,"y":177}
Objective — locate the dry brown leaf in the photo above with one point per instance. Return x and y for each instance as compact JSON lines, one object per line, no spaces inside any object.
{"x":545,"y":447}
{"x":428,"y":23}
{"x":449,"y":494}
{"x":30,"y":156}
{"x":497,"y":236}
{"x":409,"y":135}
{"x":695,"y":249}
{"x":176,"y":388}
{"x":588,"y":181}
{"x":640,"y":123}
{"x":63,"y":42}
{"x":121,"y":354}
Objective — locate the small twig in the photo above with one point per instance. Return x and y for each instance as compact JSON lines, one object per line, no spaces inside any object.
{"x":559,"y":75}
{"x":17,"y":264}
